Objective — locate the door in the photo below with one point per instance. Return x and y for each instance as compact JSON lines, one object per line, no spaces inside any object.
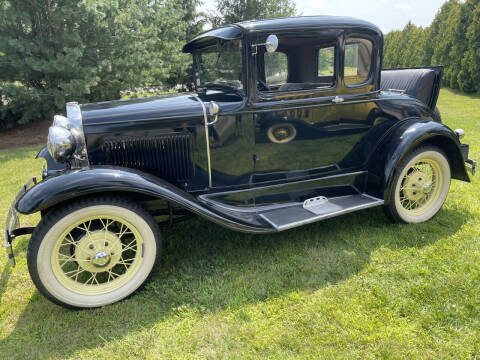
{"x":307,"y":121}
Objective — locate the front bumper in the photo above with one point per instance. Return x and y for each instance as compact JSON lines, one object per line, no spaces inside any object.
{"x":12,"y":224}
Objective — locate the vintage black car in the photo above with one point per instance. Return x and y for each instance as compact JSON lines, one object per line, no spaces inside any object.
{"x":292,"y":121}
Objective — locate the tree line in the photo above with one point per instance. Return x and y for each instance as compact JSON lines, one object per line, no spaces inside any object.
{"x":55,"y":51}
{"x":452,"y":40}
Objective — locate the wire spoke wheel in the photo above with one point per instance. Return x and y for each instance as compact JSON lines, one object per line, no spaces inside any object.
{"x":93,"y":252}
{"x":420,"y":186}
{"x":97,"y":254}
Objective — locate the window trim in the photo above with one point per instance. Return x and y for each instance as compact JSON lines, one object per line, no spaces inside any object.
{"x":369,"y":79}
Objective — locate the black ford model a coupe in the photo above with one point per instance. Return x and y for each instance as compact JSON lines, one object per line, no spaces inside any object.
{"x":293,"y":121}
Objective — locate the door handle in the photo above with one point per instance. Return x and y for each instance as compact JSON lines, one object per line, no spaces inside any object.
{"x":338,"y":100}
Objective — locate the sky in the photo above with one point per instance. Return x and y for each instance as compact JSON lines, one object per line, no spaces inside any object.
{"x":387,"y":14}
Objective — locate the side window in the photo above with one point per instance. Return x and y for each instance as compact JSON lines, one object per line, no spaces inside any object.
{"x":326,"y":62}
{"x":300,"y":63}
{"x":276,"y":68}
{"x":358,"y":61}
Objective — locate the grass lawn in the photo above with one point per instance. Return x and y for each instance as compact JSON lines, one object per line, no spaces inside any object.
{"x":354,"y":286}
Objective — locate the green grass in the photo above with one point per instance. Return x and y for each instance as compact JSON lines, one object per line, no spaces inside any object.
{"x":355,"y":286}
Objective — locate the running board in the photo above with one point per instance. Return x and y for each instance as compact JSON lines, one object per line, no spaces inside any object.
{"x":317,"y":209}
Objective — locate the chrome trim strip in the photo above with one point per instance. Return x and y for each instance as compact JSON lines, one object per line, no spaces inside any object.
{"x":207,"y":138}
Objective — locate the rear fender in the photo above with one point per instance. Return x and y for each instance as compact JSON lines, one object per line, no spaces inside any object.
{"x":73,"y":184}
{"x":397,"y":144}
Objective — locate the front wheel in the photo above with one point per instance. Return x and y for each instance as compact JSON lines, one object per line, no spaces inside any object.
{"x":420,"y":186}
{"x":93,"y":252}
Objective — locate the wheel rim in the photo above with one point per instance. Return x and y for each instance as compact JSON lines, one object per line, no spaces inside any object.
{"x":420,"y":187}
{"x":97,"y":255}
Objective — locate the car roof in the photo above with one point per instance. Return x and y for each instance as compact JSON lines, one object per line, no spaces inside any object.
{"x":304,"y":22}
{"x":234,"y":31}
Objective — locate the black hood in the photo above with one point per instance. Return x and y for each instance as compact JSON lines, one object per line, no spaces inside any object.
{"x":142,"y":109}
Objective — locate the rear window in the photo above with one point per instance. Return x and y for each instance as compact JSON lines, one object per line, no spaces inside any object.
{"x":358,"y":61}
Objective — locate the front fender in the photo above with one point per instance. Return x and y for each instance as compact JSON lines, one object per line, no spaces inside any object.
{"x":407,"y":136}
{"x":109,"y":179}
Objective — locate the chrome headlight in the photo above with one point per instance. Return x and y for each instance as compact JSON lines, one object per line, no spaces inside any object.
{"x":61,"y":143}
{"x":66,"y":140}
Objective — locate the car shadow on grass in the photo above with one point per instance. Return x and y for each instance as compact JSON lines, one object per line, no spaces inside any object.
{"x":206,"y":269}
{"x":4,"y":276}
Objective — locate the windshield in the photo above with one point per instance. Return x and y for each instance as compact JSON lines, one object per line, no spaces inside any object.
{"x":219,"y":65}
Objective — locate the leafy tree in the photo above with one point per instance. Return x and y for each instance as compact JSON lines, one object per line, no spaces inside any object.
{"x":54,"y":51}
{"x":232,"y":11}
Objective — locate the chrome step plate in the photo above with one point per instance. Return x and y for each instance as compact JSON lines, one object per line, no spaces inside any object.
{"x":316,"y":204}
{"x":297,"y":215}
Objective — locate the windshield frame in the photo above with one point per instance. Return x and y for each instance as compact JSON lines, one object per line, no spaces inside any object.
{"x":217,"y":42}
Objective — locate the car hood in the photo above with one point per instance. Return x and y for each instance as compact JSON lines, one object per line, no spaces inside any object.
{"x":141,"y":109}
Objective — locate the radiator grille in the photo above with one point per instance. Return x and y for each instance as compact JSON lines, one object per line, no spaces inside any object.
{"x":167,"y":156}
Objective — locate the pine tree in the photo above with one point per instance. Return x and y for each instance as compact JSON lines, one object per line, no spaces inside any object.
{"x":54,"y":51}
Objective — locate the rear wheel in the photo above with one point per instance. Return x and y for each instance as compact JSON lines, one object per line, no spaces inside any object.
{"x":420,"y":186}
{"x":94,"y":252}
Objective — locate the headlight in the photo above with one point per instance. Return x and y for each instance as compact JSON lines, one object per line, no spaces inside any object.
{"x":61,"y":143}
{"x":66,"y":140}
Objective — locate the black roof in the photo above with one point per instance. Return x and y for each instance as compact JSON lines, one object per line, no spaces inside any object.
{"x":310,"y":22}
{"x":233,"y":31}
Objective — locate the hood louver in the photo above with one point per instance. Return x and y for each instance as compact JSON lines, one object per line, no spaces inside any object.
{"x":167,"y":156}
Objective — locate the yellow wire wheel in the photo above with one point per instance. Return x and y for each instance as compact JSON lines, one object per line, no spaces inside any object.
{"x":95,"y":255}
{"x":422,"y":185}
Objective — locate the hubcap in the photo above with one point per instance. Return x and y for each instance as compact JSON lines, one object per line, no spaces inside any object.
{"x":98,"y":251}
{"x":101,"y":259}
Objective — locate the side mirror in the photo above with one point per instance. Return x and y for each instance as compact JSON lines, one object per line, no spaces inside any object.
{"x":271,"y":44}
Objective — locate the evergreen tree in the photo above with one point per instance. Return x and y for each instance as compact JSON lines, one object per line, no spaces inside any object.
{"x":452,"y":40}
{"x":54,"y":51}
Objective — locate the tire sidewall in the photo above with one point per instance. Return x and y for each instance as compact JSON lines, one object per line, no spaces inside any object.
{"x":441,"y":159}
{"x":47,"y":246}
